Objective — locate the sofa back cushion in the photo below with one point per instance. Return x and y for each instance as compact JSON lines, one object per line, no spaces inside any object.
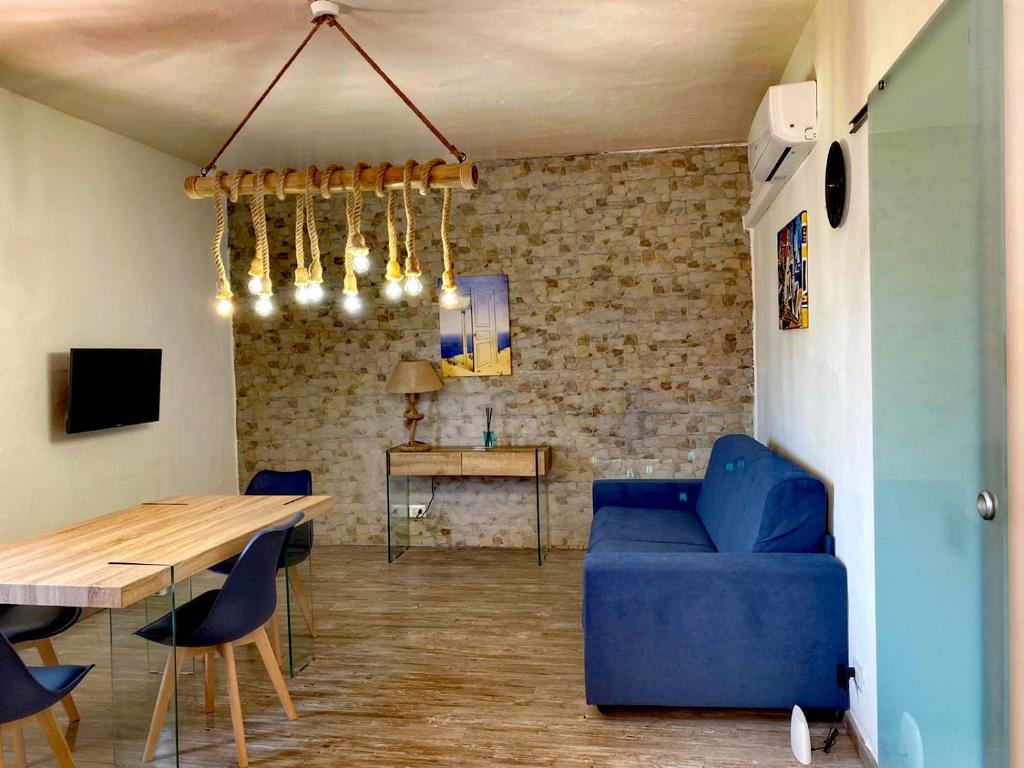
{"x":753,"y":500}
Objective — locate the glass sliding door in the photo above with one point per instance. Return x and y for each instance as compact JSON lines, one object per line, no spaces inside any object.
{"x":938,"y":371}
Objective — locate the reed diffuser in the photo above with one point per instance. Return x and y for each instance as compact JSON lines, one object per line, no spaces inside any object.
{"x":489,"y":440}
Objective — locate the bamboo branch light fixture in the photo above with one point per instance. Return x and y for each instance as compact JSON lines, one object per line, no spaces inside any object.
{"x":385,"y":180}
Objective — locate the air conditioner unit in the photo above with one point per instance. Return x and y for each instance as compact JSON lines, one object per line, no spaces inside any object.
{"x":784,"y":131}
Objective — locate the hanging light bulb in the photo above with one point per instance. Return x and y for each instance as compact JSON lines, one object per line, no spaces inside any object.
{"x":450,"y":299}
{"x":264,"y":306}
{"x":314,"y":293}
{"x":225,"y":307}
{"x":255,"y":284}
{"x":393,"y":290}
{"x":361,"y":263}
{"x":302,"y":294}
{"x":352,"y":303}
{"x":413,"y":285}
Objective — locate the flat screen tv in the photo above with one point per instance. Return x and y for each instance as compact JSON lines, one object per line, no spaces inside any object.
{"x":112,"y":388}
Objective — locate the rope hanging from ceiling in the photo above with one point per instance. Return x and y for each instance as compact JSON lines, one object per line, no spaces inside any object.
{"x":384,"y":179}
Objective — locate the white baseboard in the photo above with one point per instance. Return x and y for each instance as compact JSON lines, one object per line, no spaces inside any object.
{"x":867,"y":757}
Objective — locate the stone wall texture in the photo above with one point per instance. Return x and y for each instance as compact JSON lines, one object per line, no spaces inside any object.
{"x":631,"y":308}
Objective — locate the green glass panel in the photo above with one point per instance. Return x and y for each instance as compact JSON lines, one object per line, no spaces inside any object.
{"x":938,"y":373}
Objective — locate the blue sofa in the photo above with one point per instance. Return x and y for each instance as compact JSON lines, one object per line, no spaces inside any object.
{"x":722,"y":592}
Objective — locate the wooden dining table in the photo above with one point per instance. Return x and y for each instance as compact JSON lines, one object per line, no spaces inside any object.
{"x":120,"y":558}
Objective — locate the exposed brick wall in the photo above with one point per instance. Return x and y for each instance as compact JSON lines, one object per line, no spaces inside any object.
{"x":630,"y":299}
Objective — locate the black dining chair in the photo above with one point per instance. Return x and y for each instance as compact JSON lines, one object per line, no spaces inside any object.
{"x":218,"y":621}
{"x":33,"y":626}
{"x":27,"y":694}
{"x":270,"y":482}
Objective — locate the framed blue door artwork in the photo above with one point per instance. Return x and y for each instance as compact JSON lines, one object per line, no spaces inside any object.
{"x":475,"y":336}
{"x":793,"y":301}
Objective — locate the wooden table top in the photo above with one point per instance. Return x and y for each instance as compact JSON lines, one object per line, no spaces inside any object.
{"x":115,"y":560}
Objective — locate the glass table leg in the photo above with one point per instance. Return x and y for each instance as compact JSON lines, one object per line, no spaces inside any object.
{"x":541,"y":491}
{"x":299,"y":620}
{"x":397,"y":514}
{"x":145,"y":697}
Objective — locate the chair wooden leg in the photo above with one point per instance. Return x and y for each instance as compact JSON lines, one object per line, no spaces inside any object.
{"x":275,"y":635}
{"x":49,"y":657}
{"x":267,"y":653}
{"x":57,"y":742}
{"x":19,"y":748}
{"x":304,"y":604}
{"x":163,"y":702}
{"x":227,"y":653}
{"x":210,"y":669}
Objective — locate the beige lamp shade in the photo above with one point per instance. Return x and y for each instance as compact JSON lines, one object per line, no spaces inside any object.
{"x":413,"y":377}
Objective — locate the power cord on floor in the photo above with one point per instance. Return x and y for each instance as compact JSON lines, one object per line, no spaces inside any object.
{"x":830,"y":740}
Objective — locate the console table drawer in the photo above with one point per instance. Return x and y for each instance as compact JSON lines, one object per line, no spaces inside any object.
{"x":427,"y":463}
{"x":499,"y":463}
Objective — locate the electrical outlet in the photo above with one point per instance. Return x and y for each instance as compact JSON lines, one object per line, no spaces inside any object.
{"x":417,"y":511}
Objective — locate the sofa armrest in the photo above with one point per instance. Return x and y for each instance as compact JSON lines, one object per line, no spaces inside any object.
{"x":715,"y":629}
{"x":647,"y":494}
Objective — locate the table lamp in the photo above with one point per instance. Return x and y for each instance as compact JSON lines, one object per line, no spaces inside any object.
{"x":411,"y":378}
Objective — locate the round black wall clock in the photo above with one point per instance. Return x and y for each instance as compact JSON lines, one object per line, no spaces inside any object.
{"x":835,"y":184}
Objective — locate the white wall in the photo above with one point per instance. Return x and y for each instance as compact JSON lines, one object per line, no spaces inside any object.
{"x":814,"y":386}
{"x":100,"y":247}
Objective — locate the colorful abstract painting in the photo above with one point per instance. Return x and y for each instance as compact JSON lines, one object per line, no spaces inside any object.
{"x":793,"y":274}
{"x":475,"y":335}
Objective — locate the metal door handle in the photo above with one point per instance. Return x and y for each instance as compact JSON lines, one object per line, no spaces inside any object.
{"x":988,"y":505}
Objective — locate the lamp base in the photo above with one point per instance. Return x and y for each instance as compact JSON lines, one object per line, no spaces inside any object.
{"x":412,"y":418}
{"x":415,"y":446}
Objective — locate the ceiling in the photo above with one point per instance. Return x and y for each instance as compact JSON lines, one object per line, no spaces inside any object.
{"x":502,"y":78}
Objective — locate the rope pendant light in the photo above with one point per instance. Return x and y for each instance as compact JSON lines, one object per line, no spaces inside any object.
{"x":449,"y":290}
{"x":393,"y":270}
{"x":301,"y":272}
{"x":264,"y":306}
{"x":256,"y":265}
{"x":413,"y":284}
{"x":356,"y":241}
{"x":449,"y":295}
{"x":311,"y":291}
{"x":350,"y":289}
{"x":315,"y":292}
{"x":385,"y":179}
{"x":225,"y":304}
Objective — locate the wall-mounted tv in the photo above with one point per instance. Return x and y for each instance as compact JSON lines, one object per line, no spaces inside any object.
{"x":112,"y":388}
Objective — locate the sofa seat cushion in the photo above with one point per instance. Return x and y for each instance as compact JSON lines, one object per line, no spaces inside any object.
{"x":625,"y":545}
{"x":648,"y":528}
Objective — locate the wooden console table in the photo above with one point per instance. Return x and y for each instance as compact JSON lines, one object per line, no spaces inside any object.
{"x":523,"y":461}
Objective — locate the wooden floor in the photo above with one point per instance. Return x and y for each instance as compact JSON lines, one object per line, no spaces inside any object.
{"x":444,"y":658}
